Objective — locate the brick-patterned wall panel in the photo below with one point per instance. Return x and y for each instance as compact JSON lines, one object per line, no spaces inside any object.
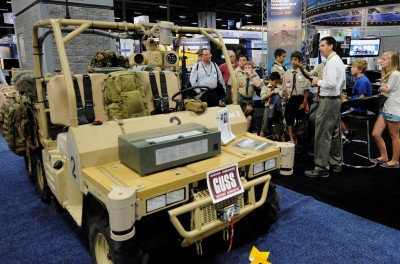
{"x":23,"y":30}
{"x":80,"y":50}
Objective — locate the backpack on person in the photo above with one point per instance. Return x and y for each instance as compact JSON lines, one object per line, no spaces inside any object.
{"x":276,"y":111}
{"x":221,"y":93}
{"x":124,"y":95}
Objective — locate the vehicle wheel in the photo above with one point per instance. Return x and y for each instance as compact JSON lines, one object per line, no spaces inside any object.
{"x":55,"y":205}
{"x":41,"y":182}
{"x":260,"y":220}
{"x":266,"y":214}
{"x":105,"y":250}
{"x":30,"y":168}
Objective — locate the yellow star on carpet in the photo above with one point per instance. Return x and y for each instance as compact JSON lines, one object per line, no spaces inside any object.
{"x":257,"y":257}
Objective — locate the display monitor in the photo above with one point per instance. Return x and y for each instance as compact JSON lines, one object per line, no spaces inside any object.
{"x":8,"y":64}
{"x":315,"y":45}
{"x":368,"y":47}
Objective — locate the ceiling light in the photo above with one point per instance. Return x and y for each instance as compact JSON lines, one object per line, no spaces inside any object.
{"x":219,"y":19}
{"x":248,"y":4}
{"x":247,"y":15}
{"x":182,"y":16}
{"x":3,"y":9}
{"x":249,"y":22}
{"x":8,"y":2}
{"x":194,"y":23}
{"x":162,"y":6}
{"x":117,"y":18}
{"x":223,"y":25}
{"x":137,"y":13}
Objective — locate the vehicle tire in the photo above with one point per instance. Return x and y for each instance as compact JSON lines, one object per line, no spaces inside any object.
{"x":55,"y":205}
{"x":30,"y":168}
{"x":41,"y":181}
{"x":266,"y":215}
{"x":260,"y":220}
{"x":105,"y":250}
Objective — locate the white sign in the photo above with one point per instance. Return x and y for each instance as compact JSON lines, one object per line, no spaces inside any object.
{"x":141,"y":19}
{"x":224,"y":183}
{"x":8,"y":18}
{"x":224,"y":126}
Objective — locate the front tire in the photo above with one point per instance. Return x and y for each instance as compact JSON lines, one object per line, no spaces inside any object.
{"x":105,"y":250}
{"x":267,"y":214}
{"x":43,"y":189}
{"x":30,"y":168}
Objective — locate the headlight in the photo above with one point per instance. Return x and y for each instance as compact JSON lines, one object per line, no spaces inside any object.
{"x":264,"y":166}
{"x":164,"y":200}
{"x":270,"y":164}
{"x":156,"y":203}
{"x":258,"y":168}
{"x":176,"y":196}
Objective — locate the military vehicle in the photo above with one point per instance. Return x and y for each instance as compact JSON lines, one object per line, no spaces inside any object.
{"x":132,"y":180}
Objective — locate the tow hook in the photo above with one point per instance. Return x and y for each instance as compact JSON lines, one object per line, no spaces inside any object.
{"x":199,"y":247}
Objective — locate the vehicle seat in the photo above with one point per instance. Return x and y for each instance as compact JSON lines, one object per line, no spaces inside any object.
{"x":172,"y":86}
{"x":58,"y":98}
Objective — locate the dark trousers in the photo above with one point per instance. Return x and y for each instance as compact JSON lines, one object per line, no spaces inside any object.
{"x":210,"y":98}
{"x":292,"y":111}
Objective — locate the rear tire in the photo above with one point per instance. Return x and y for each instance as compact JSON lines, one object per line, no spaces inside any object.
{"x":105,"y":250}
{"x":42,"y":188}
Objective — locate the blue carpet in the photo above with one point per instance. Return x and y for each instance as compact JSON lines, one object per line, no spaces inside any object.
{"x":307,"y":231}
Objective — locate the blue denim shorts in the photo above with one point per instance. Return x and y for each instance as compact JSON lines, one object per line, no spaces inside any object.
{"x":390,"y":117}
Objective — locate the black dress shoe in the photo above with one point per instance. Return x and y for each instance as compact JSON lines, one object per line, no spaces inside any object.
{"x":336,"y":168}
{"x":315,"y":174}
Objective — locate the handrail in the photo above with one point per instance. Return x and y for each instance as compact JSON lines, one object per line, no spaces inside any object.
{"x":58,"y":26}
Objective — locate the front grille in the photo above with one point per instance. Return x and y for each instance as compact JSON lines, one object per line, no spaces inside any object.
{"x":209,"y":213}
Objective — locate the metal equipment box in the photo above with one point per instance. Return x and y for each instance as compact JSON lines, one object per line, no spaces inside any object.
{"x":158,"y":149}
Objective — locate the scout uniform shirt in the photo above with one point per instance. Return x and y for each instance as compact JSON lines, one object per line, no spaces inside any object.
{"x":266,"y":90}
{"x":301,"y":83}
{"x":279,"y":68}
{"x":241,"y":78}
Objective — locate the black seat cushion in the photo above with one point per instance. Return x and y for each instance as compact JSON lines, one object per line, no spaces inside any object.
{"x":372,"y":103}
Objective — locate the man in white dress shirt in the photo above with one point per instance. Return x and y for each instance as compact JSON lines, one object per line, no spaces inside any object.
{"x":327,"y":146}
{"x":207,"y":74}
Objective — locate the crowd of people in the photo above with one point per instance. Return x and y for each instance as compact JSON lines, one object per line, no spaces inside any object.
{"x":286,"y":97}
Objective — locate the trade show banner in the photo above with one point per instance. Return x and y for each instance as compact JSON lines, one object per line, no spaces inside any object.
{"x":316,"y":7}
{"x":284,"y":28}
{"x":377,"y":16}
{"x":191,"y":47}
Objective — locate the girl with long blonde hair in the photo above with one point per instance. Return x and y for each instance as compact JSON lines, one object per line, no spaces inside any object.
{"x":389,"y":116}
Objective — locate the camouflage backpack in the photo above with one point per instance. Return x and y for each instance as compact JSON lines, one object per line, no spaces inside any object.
{"x":14,"y":113}
{"x":25,"y":83}
{"x":108,"y":58}
{"x":124,"y":95}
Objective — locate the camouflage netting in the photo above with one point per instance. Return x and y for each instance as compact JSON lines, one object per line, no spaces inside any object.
{"x":108,"y":58}
{"x":24,"y":81}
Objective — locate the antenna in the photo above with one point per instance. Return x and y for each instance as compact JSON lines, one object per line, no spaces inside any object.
{"x":67,"y":16}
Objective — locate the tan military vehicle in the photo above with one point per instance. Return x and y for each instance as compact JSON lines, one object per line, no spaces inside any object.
{"x":132,"y":179}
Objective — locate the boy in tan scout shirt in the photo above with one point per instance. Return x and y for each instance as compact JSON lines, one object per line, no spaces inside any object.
{"x":271,"y":114}
{"x":297,"y":88}
{"x":248,"y":80}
